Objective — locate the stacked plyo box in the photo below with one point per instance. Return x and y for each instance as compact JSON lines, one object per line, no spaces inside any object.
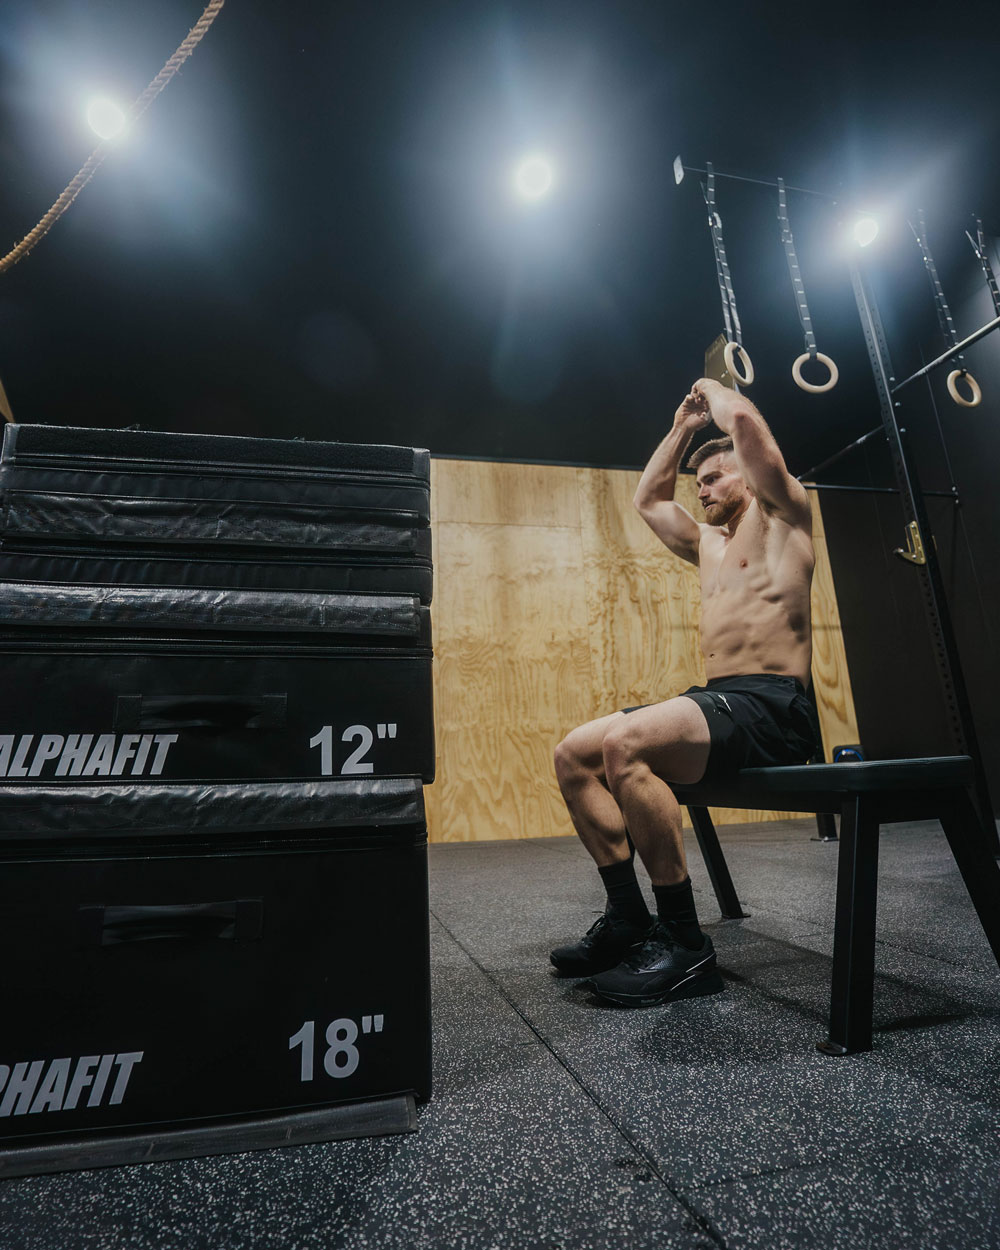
{"x":215,"y":726}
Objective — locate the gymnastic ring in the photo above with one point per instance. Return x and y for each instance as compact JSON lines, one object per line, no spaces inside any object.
{"x":800,"y":381}
{"x":729,"y":356}
{"x":977,"y":394}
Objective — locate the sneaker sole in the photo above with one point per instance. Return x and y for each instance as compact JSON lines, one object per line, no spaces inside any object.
{"x":696,"y":985}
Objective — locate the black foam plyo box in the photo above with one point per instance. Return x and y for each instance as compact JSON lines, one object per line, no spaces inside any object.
{"x":166,"y":989}
{"x":146,"y":508}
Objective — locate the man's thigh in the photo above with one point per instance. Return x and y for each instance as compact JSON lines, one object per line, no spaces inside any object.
{"x":672,"y":738}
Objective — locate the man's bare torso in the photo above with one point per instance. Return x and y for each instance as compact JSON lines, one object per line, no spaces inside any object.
{"x":755,"y":615}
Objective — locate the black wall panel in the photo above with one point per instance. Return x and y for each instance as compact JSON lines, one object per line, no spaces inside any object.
{"x":897,"y":690}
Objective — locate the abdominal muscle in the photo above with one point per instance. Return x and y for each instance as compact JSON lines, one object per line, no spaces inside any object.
{"x":755,"y":614}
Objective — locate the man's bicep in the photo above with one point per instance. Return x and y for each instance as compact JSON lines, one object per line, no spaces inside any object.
{"x":763,"y":468}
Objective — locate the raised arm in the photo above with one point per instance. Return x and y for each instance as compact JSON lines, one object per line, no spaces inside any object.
{"x":654,"y":498}
{"x":762,"y":466}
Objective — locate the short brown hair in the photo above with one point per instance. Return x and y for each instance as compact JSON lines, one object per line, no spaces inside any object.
{"x":713,"y":447}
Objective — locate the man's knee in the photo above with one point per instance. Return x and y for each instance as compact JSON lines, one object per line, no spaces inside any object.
{"x":568,"y":759}
{"x":578,"y":756}
{"x":623,"y":745}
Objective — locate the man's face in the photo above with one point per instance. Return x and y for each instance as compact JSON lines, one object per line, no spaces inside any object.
{"x":721,"y":491}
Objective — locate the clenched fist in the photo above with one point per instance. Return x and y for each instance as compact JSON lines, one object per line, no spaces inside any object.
{"x":693,"y":412}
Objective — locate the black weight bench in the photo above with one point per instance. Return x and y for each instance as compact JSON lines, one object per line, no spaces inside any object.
{"x":865,"y":796}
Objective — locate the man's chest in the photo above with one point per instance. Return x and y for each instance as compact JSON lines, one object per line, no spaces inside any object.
{"x":734,"y":565}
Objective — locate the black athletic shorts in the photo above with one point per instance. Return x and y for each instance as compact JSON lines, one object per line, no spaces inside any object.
{"x":756,"y":721}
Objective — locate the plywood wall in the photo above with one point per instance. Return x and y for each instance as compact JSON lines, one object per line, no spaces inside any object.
{"x":554,"y":604}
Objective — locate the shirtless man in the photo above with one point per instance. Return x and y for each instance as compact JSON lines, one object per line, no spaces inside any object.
{"x":755,"y":556}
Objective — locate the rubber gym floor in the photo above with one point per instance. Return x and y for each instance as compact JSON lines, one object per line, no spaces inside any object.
{"x":561,"y":1124}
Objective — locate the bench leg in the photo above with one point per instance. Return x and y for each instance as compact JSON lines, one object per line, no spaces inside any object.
{"x":853,"y":984}
{"x":973,"y":854}
{"x":826,"y":827}
{"x":715,"y":862}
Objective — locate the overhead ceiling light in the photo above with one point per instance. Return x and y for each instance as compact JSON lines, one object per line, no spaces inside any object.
{"x":106,"y":118}
{"x":865,"y":230}
{"x":534,"y":177}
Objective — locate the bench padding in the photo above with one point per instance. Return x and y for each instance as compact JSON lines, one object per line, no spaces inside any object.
{"x":823,"y":787}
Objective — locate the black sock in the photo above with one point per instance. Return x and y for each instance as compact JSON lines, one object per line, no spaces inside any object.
{"x":624,"y":894}
{"x":675,"y":908}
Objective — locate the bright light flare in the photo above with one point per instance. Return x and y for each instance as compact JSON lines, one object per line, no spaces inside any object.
{"x":106,"y":118}
{"x":534,"y":177}
{"x":865,"y":230}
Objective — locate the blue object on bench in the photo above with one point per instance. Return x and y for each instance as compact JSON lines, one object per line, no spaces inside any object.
{"x":865,"y":796}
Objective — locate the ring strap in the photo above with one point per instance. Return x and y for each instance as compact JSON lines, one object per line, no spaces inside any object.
{"x":940,"y":303}
{"x":788,"y":243}
{"x":979,"y":247}
{"x":729,"y":314}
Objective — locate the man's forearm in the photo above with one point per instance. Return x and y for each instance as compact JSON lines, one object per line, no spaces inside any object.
{"x":659,"y":478}
{"x":726,"y":406}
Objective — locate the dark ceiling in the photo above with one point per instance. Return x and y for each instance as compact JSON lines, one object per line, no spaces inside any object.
{"x":310,"y":233}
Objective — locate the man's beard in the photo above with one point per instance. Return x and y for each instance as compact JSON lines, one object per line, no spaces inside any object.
{"x":723,"y":511}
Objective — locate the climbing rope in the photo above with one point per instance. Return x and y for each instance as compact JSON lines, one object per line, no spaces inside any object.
{"x":194,"y":37}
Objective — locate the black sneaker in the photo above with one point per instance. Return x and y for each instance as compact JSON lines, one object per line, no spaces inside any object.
{"x":604,"y":945}
{"x":660,"y":970}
